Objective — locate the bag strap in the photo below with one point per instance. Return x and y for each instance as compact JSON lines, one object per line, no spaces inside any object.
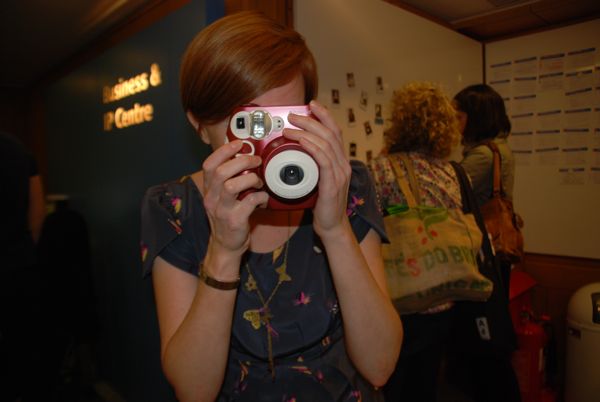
{"x":412,"y":178}
{"x":470,"y":205}
{"x":403,"y":183}
{"x":497,"y":159}
{"x":466,"y":191}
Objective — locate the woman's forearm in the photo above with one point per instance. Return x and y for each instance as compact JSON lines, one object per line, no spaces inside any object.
{"x":372,"y":326}
{"x":196,"y":322}
{"x":196,"y":357}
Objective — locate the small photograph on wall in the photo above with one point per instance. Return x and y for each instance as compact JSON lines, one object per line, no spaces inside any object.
{"x":379,"y":84}
{"x":335,"y":97}
{"x":369,"y":155}
{"x":351,"y":117}
{"x":350,"y":80}
{"x":368,"y":130}
{"x":378,"y":114}
{"x":364,"y":100}
{"x":352,"y":149}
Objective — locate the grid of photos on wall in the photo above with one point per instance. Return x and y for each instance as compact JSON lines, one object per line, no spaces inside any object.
{"x":363,"y":111}
{"x":553,"y":101}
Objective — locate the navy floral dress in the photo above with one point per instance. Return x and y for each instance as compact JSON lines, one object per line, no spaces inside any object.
{"x":305,"y":325}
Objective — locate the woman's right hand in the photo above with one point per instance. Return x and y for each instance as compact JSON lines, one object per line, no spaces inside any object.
{"x":222,"y":184}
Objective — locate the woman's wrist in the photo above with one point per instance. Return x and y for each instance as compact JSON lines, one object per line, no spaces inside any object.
{"x":221,"y":264}
{"x":217,"y":284}
{"x":334,"y":233}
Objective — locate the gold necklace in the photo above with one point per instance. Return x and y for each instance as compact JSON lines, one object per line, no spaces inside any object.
{"x":263,"y":316}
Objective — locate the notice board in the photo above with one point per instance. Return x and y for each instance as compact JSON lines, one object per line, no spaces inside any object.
{"x":550,"y":82}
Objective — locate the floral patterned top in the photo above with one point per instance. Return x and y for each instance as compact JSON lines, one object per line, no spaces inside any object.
{"x":438,"y":184}
{"x":305,"y":323}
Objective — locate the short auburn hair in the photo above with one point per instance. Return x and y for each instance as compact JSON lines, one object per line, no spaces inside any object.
{"x":423,"y":120}
{"x":486,"y":113}
{"x":238,"y":58}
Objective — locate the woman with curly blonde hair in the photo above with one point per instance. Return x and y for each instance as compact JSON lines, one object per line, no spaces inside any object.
{"x":424,"y":128}
{"x":423,"y":120}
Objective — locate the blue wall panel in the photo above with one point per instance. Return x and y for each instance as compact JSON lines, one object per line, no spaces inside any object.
{"x":106,"y":172}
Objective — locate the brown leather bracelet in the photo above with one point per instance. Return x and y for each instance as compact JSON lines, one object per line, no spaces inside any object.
{"x":213,"y":283}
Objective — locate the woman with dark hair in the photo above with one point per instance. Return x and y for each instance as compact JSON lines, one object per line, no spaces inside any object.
{"x":482,"y":119}
{"x":265,"y":304}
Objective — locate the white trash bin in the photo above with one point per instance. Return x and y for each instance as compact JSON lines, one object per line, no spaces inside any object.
{"x":582,"y":382}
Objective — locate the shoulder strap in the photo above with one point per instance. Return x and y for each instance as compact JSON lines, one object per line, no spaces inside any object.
{"x":468,"y":197}
{"x":493,"y":271}
{"x":412,"y":178}
{"x":497,"y":159}
{"x":402,"y":182}
{"x":470,"y":206}
{"x":466,"y":192}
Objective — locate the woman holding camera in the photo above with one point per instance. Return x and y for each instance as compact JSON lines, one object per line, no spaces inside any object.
{"x":260,"y":304}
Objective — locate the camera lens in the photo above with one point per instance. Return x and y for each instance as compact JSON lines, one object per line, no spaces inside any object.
{"x":291,"y":174}
{"x":240,"y":123}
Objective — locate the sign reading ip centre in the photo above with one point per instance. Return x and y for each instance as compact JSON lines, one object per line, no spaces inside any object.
{"x":138,"y":114}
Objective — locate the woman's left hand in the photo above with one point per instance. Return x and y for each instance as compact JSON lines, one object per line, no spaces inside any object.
{"x":322,"y":139}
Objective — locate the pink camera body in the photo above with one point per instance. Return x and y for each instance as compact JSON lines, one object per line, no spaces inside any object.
{"x":290,"y":174}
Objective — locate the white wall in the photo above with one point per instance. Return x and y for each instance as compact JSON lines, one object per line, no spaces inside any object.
{"x":557,"y":195}
{"x":371,"y":38}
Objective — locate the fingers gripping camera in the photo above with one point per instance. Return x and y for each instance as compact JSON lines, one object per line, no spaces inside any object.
{"x":290,"y":174}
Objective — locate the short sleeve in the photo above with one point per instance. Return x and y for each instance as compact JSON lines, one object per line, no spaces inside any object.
{"x":478,"y":162}
{"x":173,"y":226}
{"x":363,"y":207}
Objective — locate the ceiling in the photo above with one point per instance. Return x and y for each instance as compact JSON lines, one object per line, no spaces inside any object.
{"x":487,"y":20}
{"x":39,"y":36}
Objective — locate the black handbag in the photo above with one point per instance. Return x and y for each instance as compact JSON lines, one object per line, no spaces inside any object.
{"x":483,"y":327}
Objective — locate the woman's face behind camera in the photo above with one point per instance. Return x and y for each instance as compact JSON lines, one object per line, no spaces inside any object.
{"x":291,"y":93}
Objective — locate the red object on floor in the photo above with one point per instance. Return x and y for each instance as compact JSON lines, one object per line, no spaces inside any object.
{"x":528,"y":359}
{"x":521,"y":284}
{"x":548,"y":395}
